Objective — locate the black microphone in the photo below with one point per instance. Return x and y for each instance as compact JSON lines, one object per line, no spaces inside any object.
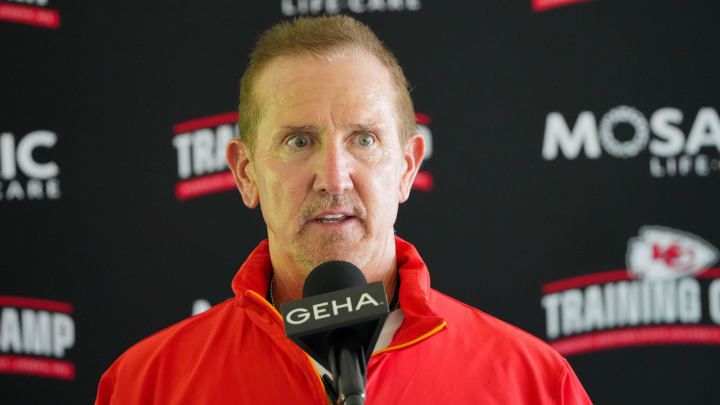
{"x":337,"y":322}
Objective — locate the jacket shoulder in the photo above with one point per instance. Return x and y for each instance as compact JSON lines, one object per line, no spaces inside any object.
{"x":187,"y":331}
{"x":465,"y":320}
{"x":496,"y":353}
{"x":157,"y":351}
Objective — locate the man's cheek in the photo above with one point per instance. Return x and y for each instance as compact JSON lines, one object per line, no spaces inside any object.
{"x":278,"y":195}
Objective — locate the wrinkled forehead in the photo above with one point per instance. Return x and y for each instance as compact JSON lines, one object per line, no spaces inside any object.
{"x":348,"y":85}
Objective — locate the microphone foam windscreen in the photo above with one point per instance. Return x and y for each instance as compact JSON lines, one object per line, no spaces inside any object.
{"x":331,"y":276}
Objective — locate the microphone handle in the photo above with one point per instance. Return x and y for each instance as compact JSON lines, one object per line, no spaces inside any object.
{"x":354,"y":400}
{"x":351,"y":381}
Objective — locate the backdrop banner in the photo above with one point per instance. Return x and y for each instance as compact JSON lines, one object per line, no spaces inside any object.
{"x":570,"y":186}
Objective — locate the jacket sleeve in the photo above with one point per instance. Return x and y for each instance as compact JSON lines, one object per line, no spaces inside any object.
{"x":106,"y":387}
{"x":571,"y":392}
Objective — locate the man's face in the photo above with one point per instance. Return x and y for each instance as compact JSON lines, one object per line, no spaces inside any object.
{"x":328,"y":166}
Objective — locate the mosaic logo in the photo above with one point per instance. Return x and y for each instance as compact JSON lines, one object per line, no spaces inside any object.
{"x":675,"y":148}
{"x":202,"y":170}
{"x":668,"y":295}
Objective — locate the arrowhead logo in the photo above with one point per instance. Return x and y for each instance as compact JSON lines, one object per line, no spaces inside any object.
{"x":660,"y":252}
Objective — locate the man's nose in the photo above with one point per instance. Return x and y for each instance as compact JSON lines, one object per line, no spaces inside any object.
{"x":333,"y":169}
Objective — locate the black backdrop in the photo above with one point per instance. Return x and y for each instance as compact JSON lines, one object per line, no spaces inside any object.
{"x":110,"y":236}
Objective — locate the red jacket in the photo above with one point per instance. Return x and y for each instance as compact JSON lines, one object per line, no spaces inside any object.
{"x":444,"y":352}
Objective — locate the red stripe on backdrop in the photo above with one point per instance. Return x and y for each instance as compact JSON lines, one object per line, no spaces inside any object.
{"x":424,"y":181}
{"x":585,"y":280}
{"x":709,"y":273}
{"x":36,"y":303}
{"x":542,"y":5}
{"x":640,"y":336}
{"x":37,"y":16}
{"x":63,"y":370}
{"x":205,"y":122}
{"x":422,"y":119}
{"x":606,"y":277}
{"x":199,"y":186}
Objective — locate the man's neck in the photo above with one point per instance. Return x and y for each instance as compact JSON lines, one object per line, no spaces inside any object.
{"x":287,"y":285}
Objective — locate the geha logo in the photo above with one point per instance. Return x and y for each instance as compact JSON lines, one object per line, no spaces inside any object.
{"x":320,"y":310}
{"x":660,"y":299}
{"x":31,"y":12}
{"x":672,"y":152}
{"x":22,"y":176}
{"x":34,"y":337}
{"x":200,"y":146}
{"x":314,"y":7}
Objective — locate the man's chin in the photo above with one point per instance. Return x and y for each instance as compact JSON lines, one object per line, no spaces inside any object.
{"x":310,"y":257}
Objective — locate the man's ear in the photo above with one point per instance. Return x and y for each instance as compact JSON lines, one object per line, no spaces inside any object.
{"x":238,"y":159}
{"x":413,"y":156}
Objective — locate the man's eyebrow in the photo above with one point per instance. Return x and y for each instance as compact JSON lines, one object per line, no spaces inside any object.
{"x":298,"y":128}
{"x":365,"y":126}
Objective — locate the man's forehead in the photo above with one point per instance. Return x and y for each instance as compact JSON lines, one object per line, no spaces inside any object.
{"x":283,"y":74}
{"x":352,"y":84}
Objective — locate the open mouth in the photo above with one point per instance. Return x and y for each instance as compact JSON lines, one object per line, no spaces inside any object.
{"x":333,"y":218}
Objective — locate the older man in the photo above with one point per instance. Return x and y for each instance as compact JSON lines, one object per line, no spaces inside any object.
{"x":329,"y":150}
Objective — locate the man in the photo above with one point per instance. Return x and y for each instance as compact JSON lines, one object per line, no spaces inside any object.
{"x":329,"y":150}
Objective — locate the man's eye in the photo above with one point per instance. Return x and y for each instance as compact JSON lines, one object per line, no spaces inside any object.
{"x":364,"y":139}
{"x":299,"y":141}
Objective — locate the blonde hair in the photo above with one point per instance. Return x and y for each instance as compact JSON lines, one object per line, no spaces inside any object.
{"x":323,"y":37}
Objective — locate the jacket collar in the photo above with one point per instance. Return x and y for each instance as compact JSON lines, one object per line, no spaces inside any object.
{"x":255,"y":273}
{"x":420,"y":318}
{"x":250,"y":286}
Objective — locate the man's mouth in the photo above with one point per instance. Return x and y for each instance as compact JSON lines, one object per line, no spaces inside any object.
{"x":332,"y":218}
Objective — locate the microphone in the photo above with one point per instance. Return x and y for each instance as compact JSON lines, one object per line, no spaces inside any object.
{"x":337,"y":322}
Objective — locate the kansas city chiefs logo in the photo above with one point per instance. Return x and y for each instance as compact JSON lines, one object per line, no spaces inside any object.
{"x":659,"y":252}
